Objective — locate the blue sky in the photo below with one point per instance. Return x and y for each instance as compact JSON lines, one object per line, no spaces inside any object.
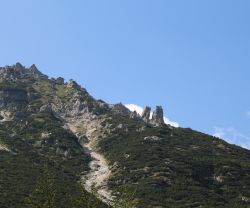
{"x":192,"y":57}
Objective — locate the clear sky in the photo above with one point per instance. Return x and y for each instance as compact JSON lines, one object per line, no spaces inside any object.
{"x":192,"y":57}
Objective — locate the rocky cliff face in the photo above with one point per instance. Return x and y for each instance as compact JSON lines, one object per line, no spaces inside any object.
{"x":168,"y":167}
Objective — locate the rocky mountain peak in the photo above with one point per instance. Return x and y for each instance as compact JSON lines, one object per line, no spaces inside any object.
{"x":18,"y":67}
{"x":18,"y":71}
{"x":33,"y":70}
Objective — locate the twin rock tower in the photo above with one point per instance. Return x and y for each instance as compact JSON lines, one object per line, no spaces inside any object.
{"x":157,"y":117}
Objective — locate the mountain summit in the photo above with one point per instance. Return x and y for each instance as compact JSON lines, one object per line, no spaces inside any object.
{"x":112,"y":151}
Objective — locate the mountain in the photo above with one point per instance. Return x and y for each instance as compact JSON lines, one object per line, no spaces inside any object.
{"x":115,"y":153}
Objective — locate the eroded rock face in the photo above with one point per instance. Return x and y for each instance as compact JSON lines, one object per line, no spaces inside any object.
{"x":146,"y":114}
{"x":157,"y":117}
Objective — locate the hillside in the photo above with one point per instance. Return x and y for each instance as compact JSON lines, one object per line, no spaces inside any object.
{"x":109,"y":149}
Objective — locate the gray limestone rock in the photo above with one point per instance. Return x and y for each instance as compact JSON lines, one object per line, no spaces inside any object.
{"x":146,"y":114}
{"x":72,"y":84}
{"x":157,"y":117}
{"x":35,"y":72}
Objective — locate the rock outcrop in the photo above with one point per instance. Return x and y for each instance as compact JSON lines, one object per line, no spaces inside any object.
{"x":119,"y":108}
{"x":146,"y":114}
{"x":35,"y":72}
{"x":18,"y":71}
{"x":59,"y":81}
{"x":18,"y":67}
{"x":72,"y":84}
{"x":157,"y":117}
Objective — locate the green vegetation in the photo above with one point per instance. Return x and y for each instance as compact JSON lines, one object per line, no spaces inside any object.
{"x":183,"y":168}
{"x":45,"y":192}
{"x":33,"y":141}
{"x":151,"y":166}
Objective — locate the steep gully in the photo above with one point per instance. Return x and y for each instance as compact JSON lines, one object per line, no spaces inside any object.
{"x":97,"y":177}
